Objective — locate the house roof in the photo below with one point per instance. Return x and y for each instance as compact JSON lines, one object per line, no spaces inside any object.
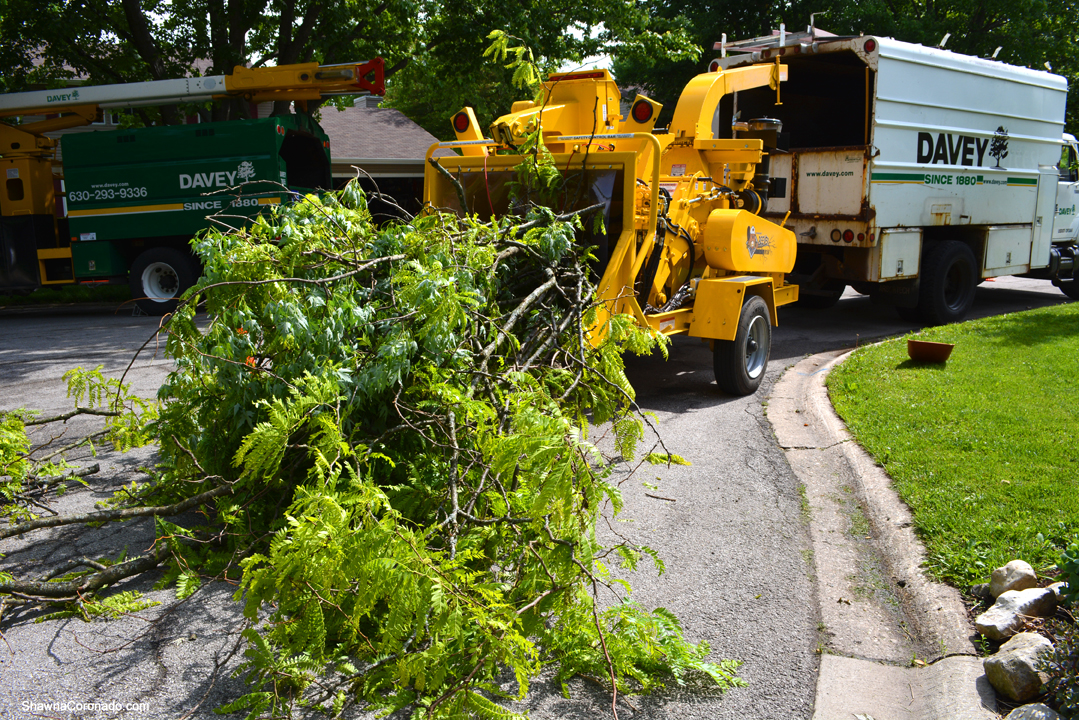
{"x":374,"y":133}
{"x":382,"y":141}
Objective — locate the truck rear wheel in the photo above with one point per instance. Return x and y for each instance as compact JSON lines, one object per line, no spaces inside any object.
{"x":949,"y":277}
{"x":739,"y":364}
{"x":158,"y":277}
{"x":1070,"y":288}
{"x":826,"y":298}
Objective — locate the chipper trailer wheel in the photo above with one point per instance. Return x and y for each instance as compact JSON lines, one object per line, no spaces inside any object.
{"x":739,"y":364}
{"x":158,"y":277}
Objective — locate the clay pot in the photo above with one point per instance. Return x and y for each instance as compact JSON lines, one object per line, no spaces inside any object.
{"x":923,"y":351}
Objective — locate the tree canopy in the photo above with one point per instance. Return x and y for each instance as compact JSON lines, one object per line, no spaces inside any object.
{"x":134,"y":40}
{"x":1029,"y":32}
{"x":434,"y":48}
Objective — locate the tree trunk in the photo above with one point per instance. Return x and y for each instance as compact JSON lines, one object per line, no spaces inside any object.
{"x":148,"y":51}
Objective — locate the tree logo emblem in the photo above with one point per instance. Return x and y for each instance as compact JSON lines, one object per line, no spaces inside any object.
{"x":999,"y":148}
{"x":757,"y":244}
{"x":245,"y":171}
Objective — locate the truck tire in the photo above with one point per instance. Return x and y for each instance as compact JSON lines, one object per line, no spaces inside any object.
{"x":949,"y":277}
{"x":739,"y":364}
{"x":909,"y":314}
{"x":158,"y":277}
{"x":1070,"y":288}
{"x":828,"y":297}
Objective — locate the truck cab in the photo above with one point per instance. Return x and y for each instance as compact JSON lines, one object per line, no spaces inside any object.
{"x":1066,"y":221}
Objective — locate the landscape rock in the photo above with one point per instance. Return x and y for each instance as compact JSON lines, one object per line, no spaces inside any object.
{"x":1012,"y":670}
{"x":981,"y":591}
{"x":1006,"y":616}
{"x":1016,"y":575}
{"x":1034,"y":711}
{"x":1058,"y":589}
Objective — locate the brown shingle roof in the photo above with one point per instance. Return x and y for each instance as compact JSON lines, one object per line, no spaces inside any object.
{"x":360,"y":133}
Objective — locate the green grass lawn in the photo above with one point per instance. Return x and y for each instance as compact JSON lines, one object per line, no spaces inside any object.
{"x":69,"y":294}
{"x":984,"y":449}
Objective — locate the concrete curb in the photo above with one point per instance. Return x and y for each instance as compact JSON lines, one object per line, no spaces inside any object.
{"x":872,"y":679}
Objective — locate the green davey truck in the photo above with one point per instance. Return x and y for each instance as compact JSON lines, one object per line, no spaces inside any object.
{"x":135,"y":198}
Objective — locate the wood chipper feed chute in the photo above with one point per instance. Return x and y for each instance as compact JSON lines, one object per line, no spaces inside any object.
{"x":683,"y":247}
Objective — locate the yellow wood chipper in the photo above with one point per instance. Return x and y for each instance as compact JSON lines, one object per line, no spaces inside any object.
{"x":683,"y":247}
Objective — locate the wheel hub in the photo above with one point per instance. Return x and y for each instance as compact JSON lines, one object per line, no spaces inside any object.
{"x":160,"y":282}
{"x":756,"y":359}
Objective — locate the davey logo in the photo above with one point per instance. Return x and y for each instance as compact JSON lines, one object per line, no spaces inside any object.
{"x":245,"y":171}
{"x":64,"y":97}
{"x":949,"y":149}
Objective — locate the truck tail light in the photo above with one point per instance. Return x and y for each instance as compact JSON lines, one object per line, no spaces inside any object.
{"x":460,"y":122}
{"x":870,"y":45}
{"x":872,"y":236}
{"x":713,"y":66}
{"x":837,"y":235}
{"x":861,"y":237}
{"x":848,"y":236}
{"x":642,"y":111}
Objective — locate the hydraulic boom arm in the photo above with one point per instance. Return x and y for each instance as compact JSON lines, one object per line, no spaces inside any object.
{"x":306,"y":81}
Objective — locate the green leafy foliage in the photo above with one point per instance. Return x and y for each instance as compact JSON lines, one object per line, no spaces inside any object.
{"x":14,"y":446}
{"x":132,"y":425}
{"x":1062,"y":668}
{"x":666,"y":459}
{"x":129,"y":421}
{"x":1069,"y":572}
{"x":402,"y":415}
{"x":455,"y":35}
{"x":1029,"y":33}
{"x":111,"y":607}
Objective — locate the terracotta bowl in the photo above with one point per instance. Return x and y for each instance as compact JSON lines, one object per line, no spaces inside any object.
{"x":923,"y":351}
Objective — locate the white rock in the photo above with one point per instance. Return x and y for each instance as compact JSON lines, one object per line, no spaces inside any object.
{"x":1016,"y":575}
{"x":1012,"y":670}
{"x":1058,"y":589}
{"x":1004,"y":619}
{"x":1034,"y":711}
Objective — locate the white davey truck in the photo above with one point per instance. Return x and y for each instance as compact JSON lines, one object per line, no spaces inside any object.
{"x":911,"y":173}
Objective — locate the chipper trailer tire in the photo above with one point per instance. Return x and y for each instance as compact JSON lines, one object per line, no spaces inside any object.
{"x":684,"y":249}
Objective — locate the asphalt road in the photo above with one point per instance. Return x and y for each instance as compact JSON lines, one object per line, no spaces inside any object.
{"x":728,"y":526}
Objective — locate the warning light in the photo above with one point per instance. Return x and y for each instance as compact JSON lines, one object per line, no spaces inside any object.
{"x":642,"y":111}
{"x":460,"y":121}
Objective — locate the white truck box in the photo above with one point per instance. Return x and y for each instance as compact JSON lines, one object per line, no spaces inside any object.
{"x":896,"y":153}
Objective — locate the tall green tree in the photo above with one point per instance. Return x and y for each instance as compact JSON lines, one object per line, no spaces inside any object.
{"x":1029,"y":32}
{"x":447,"y":69}
{"x":434,"y":47}
{"x":103,"y":41}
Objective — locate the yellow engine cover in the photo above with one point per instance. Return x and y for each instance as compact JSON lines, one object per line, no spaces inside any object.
{"x":740,"y":241}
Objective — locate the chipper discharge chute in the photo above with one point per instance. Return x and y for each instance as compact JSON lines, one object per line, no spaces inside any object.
{"x":684,"y":248}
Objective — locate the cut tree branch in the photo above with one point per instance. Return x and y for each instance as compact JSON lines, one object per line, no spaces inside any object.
{"x":107,"y":515}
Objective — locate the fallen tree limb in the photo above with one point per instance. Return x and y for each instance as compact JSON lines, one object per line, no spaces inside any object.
{"x":51,"y":591}
{"x":71,"y":414}
{"x":107,"y":515}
